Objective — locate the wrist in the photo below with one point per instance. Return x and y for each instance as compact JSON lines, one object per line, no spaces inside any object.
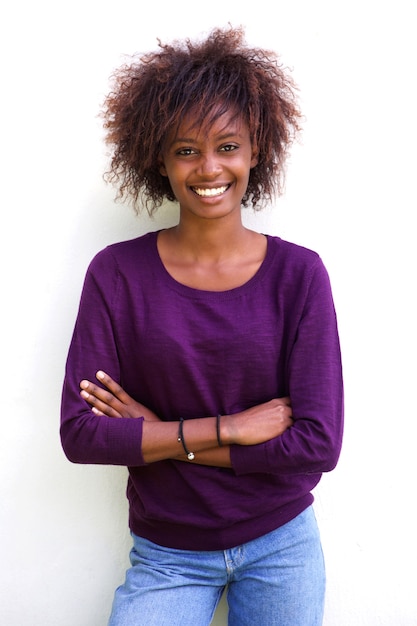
{"x":226,"y":430}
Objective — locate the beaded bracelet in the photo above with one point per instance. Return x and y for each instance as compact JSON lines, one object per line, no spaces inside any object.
{"x":190,"y":455}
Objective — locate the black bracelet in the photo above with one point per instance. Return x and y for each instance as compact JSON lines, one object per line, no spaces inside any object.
{"x":219,"y":439}
{"x":190,"y":455}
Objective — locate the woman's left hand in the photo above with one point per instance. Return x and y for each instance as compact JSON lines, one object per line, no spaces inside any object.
{"x":113,"y":401}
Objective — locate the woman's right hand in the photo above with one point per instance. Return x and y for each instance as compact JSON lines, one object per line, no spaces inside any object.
{"x":257,"y":424}
{"x":113,"y":401}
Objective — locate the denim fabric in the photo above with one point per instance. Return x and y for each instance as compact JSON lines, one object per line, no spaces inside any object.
{"x":275,"y":580}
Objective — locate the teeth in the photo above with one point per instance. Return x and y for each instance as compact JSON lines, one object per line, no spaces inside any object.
{"x":210,"y":192}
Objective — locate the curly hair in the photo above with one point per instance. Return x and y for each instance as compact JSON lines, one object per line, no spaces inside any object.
{"x":153,"y":93}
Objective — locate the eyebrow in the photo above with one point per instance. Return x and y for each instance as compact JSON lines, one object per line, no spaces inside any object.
{"x":190,"y":140}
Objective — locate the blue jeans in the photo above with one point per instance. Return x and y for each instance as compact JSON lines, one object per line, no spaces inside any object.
{"x":276,"y":580}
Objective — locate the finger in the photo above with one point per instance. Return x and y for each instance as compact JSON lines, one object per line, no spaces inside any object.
{"x":285,"y":400}
{"x":113,"y":387}
{"x":101,"y":394}
{"x":103,"y":400}
{"x":98,"y":406}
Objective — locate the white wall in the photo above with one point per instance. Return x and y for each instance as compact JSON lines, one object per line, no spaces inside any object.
{"x":351,"y":195}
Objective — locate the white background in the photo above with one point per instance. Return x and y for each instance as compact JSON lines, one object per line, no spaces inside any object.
{"x":350,"y":195}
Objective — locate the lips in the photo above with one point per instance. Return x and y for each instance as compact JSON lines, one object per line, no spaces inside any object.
{"x":210,"y":192}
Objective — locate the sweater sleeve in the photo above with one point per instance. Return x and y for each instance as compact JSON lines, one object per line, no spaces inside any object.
{"x":314,"y":377}
{"x":85,"y":437}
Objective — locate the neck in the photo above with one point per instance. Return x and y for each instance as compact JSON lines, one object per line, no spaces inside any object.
{"x":212,"y":258}
{"x":211,"y":238}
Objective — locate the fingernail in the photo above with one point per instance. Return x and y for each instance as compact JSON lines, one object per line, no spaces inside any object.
{"x":100,"y":374}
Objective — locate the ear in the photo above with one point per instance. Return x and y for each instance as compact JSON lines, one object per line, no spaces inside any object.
{"x":254,"y":159}
{"x":161,"y":166}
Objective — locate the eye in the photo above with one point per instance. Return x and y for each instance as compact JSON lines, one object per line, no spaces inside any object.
{"x":230,"y":147}
{"x":185,"y":152}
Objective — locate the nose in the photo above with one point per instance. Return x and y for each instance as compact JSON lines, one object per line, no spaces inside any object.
{"x":209,"y":165}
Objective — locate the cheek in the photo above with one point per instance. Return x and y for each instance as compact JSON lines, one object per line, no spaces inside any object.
{"x":177,"y":174}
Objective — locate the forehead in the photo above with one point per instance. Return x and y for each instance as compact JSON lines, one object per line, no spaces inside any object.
{"x":215,"y":123}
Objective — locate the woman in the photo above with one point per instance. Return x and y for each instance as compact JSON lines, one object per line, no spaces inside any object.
{"x":214,"y":348}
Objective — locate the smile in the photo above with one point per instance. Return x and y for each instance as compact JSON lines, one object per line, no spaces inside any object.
{"x":210,"y":192}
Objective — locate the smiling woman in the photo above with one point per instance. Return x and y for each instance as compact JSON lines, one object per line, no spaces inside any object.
{"x":205,"y":357}
{"x":151,"y":96}
{"x":210,"y":163}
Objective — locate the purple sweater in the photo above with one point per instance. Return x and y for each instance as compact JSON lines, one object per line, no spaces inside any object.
{"x":193,"y":353}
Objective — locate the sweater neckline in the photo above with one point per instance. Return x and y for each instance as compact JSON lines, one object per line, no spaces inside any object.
{"x":194,"y":293}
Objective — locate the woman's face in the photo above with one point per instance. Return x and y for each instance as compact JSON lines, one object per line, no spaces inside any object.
{"x":208,"y":168}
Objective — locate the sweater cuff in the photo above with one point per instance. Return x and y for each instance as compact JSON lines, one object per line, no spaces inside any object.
{"x":249,"y":459}
{"x":125,"y":442}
